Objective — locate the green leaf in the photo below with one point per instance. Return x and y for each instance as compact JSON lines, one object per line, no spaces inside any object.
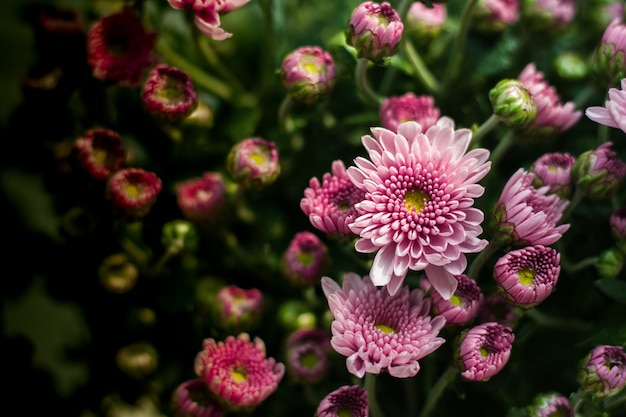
{"x":613,"y":288}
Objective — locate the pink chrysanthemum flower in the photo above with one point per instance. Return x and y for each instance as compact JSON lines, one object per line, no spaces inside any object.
{"x":133,"y":191}
{"x":528,"y":276}
{"x":424,"y":23}
{"x":238,"y":309}
{"x":377,"y":331}
{"x":554,"y":171}
{"x":169,"y":94}
{"x":552,"y":115}
{"x":613,"y":114}
{"x":463,"y":306}
{"x":525,"y":215}
{"x":253,"y":162}
{"x":308,"y":74}
{"x":238,"y":371}
{"x":375,"y":30}
{"x":603,"y":371}
{"x":599,"y":173}
{"x":330,"y":205}
{"x":609,"y":58}
{"x":305,"y":260}
{"x":617,"y":222}
{"x":346,"y":400}
{"x":207,"y":14}
{"x":496,"y":15}
{"x":307,"y":355}
{"x":550,"y":404}
{"x":202,"y":200}
{"x":408,"y":107}
{"x":550,"y":14}
{"x":100,"y":152}
{"x":193,"y":399}
{"x":418,"y":209}
{"x":484,"y":350}
{"x":119,"y":49}
{"x":497,"y":308}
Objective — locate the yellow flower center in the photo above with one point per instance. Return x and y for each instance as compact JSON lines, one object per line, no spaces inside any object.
{"x":132,"y":191}
{"x":342,"y":412}
{"x":100,"y":156}
{"x":309,"y":360}
{"x":456,"y":300}
{"x":484,"y":352}
{"x":305,"y":258}
{"x":258,"y":158}
{"x":385,"y":329}
{"x":239,"y":374}
{"x":415,"y":200}
{"x":526,"y":276}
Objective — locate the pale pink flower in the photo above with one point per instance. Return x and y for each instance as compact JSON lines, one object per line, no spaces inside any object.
{"x":207,"y":14}
{"x":330,"y":205}
{"x":603,"y":371}
{"x":463,"y":306}
{"x":308,"y":74}
{"x":526,"y":215}
{"x":613,"y":114}
{"x":554,"y":170}
{"x":238,"y":371}
{"x":425,"y":22}
{"x":193,"y":399}
{"x":202,"y":199}
{"x":253,"y":162}
{"x":380,"y":332}
{"x":552,"y":115}
{"x":418,"y":209}
{"x":484,"y":350}
{"x":305,"y":260}
{"x":408,"y":107}
{"x":346,"y":400}
{"x":237,"y":309}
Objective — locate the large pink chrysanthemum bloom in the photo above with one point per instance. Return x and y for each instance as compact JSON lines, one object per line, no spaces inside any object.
{"x":525,"y":215}
{"x":380,"y":332}
{"x":330,"y":205}
{"x":399,"y":109}
{"x":348,"y":400}
{"x":484,"y":350}
{"x":603,"y":371}
{"x":237,"y":371}
{"x":418,"y":209}
{"x":193,"y":399}
{"x":613,"y":114}
{"x":550,"y":404}
{"x":207,"y":14}
{"x":552,"y":115}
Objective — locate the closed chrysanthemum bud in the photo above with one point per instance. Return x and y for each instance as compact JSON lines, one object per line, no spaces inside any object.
{"x":100,"y":153}
{"x":609,"y":59}
{"x":180,"y":235}
{"x":137,"y":360}
{"x":598,"y":173}
{"x":133,"y":191}
{"x":495,"y":15}
{"x":396,"y":110}
{"x":193,"y":399}
{"x":484,"y":350}
{"x":610,"y":263}
{"x":462,"y":307}
{"x":513,"y":104}
{"x":169,"y":94}
{"x":554,"y":171}
{"x":424,"y":23}
{"x":253,"y":162}
{"x":202,"y":200}
{"x":602,"y":372}
{"x":307,"y":352}
{"x":550,"y":404}
{"x":548,"y":15}
{"x":571,"y":66}
{"x":305,"y":260}
{"x":117,"y":273}
{"x":618,"y":228}
{"x":237,"y":309}
{"x":308,"y":74}
{"x":344,"y":401}
{"x":375,"y":31}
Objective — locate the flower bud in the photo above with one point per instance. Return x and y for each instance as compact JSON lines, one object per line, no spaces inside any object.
{"x":375,"y":30}
{"x":495,"y":15}
{"x":238,"y":310}
{"x":408,"y":107}
{"x":571,"y":66}
{"x":305,"y":260}
{"x":100,"y":153}
{"x":169,"y":94}
{"x":308,"y":74}
{"x":554,"y":171}
{"x":610,"y":263}
{"x":307,"y":352}
{"x":118,"y":274}
{"x":618,"y":228}
{"x":549,"y":405}
{"x":513,"y":104}
{"x":549,"y":16}
{"x":137,"y":360}
{"x":253,"y":162}
{"x":202,"y":200}
{"x":484,"y":350}
{"x":424,"y":23}
{"x":598,"y":173}
{"x":347,"y":400}
{"x":602,"y":372}
{"x":133,"y":191}
{"x":180,"y":234}
{"x":609,"y":59}
{"x":462,"y":307}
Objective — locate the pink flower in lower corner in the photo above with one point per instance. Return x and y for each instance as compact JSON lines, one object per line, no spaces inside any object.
{"x":380,"y":332}
{"x":613,"y":114}
{"x":207,"y":14}
{"x":238,"y":371}
{"x":484,"y":350}
{"x":418,"y":209}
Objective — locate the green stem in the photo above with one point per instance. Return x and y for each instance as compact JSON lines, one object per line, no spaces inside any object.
{"x":576,"y":400}
{"x":172,"y":250}
{"x":579,"y":265}
{"x":421,"y":71}
{"x":267,"y":58}
{"x":361,"y":81}
{"x":213,"y":60}
{"x":480,"y":260}
{"x":501,"y":148}
{"x":573,"y":202}
{"x":615,"y":401}
{"x":437,"y":389}
{"x":547,"y":320}
{"x":483,"y":129}
{"x":201,"y":78}
{"x":456,"y":57}
{"x":370,"y":386}
{"x":284,"y":114}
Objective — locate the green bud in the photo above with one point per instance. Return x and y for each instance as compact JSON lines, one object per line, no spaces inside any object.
{"x":294,"y":315}
{"x":571,"y":66}
{"x":137,"y":360}
{"x":179,"y":235}
{"x":610,"y":263}
{"x":118,"y":274}
{"x":513,"y":104}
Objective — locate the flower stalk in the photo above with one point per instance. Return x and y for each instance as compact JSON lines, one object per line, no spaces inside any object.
{"x":422,"y":72}
{"x":370,"y":386}
{"x":435,"y":392}
{"x":362,"y":83}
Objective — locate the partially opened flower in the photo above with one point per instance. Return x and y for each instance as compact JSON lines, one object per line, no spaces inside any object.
{"x":253,"y":162}
{"x":418,"y":209}
{"x":375,"y":30}
{"x":496,"y":15}
{"x":609,"y":58}
{"x":207,"y":14}
{"x":238,"y":372}
{"x":305,"y":260}
{"x":380,"y":332}
{"x":484,"y":350}
{"x":551,"y":404}
{"x":100,"y":152}
{"x":396,"y":110}
{"x":237,"y":309}
{"x":308,"y":74}
{"x":554,"y":171}
{"x":603,"y":371}
{"x":424,"y":23}
{"x":202,"y":199}
{"x":169,"y":94}
{"x":119,"y":49}
{"x":193,"y":399}
{"x":344,"y":401}
{"x":307,"y":355}
{"x":528,"y":276}
{"x":550,"y":14}
{"x":330,"y":205}
{"x":462,"y":307}
{"x":525,"y":215}
{"x":553,"y":116}
{"x":133,"y":191}
{"x":599,"y":173}
{"x":613,"y":114}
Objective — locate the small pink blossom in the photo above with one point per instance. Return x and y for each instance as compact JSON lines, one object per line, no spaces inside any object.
{"x":133,"y":191}
{"x":610,"y":56}
{"x":202,"y":199}
{"x":484,"y":350}
{"x":599,"y":173}
{"x":305,"y":260}
{"x":408,"y":107}
{"x":603,"y":371}
{"x":308,"y":73}
{"x":253,"y":162}
{"x":496,"y":14}
{"x":463,"y":306}
{"x":554,"y":170}
{"x":551,"y":13}
{"x":207,"y":14}
{"x":425,"y":22}
{"x":193,"y":399}
{"x":550,"y":404}
{"x":345,"y":400}
{"x":169,"y":94}
{"x":100,"y":152}
{"x":613,"y":114}
{"x":375,"y":30}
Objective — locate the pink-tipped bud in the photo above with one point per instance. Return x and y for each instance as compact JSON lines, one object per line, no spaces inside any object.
{"x":169,"y":94}
{"x":253,"y":162}
{"x":308,"y":74}
{"x":100,"y":153}
{"x":133,"y":191}
{"x":375,"y":31}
